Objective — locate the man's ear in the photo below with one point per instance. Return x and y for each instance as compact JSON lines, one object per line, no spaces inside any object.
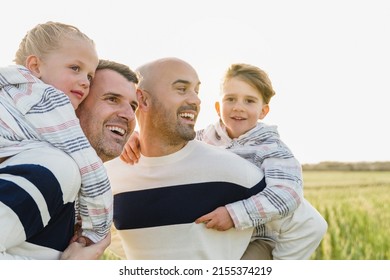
{"x":217,"y":108}
{"x":264,"y":111}
{"x":33,"y":63}
{"x":143,"y":99}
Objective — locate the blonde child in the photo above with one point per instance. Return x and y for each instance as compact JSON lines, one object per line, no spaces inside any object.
{"x":279,"y":213}
{"x":284,"y":222}
{"x":55,"y":64}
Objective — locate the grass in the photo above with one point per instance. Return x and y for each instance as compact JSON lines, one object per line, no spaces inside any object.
{"x":356,"y":206}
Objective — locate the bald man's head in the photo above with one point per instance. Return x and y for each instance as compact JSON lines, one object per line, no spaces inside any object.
{"x":168,"y":101}
{"x":152,"y":73}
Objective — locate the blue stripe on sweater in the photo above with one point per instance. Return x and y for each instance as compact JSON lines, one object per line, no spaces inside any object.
{"x":177,"y":204}
{"x":58,"y":232}
{"x":22,"y":204}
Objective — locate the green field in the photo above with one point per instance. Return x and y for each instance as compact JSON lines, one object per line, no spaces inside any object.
{"x":356,"y":205}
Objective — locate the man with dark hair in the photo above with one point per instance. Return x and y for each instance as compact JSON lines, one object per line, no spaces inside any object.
{"x":38,"y":187}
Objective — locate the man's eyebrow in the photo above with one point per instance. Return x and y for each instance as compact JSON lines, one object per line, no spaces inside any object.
{"x":112,"y":94}
{"x":180,"y":81}
{"x":117,"y":95}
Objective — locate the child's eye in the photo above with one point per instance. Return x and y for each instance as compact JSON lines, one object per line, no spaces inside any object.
{"x":90,"y":78}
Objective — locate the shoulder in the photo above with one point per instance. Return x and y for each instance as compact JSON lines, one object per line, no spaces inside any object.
{"x":220,"y":160}
{"x":209,"y":150}
{"x":50,"y":166}
{"x":27,"y":91}
{"x":119,"y":173}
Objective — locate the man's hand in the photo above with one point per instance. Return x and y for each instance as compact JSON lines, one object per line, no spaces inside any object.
{"x":79,"y":251}
{"x":218,"y":219}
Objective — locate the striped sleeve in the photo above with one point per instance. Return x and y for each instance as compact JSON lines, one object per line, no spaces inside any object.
{"x":283,"y":194}
{"x":56,"y":122}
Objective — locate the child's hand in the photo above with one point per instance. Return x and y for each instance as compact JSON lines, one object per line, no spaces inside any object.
{"x":218,"y":219}
{"x":131,"y":152}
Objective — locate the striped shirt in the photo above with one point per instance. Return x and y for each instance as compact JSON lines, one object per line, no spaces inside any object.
{"x":283,"y":175}
{"x":32,"y":114}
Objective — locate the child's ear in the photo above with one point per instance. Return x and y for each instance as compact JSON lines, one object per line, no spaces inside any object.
{"x":217,"y":108}
{"x":33,"y":63}
{"x":264,"y":111}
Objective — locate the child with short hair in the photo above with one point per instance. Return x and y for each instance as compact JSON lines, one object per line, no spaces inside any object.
{"x":279,"y":213}
{"x":55,"y":64}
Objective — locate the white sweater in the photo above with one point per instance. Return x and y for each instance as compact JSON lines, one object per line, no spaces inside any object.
{"x":157,"y":201}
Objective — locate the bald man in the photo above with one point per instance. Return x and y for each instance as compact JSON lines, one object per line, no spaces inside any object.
{"x":177,"y":179}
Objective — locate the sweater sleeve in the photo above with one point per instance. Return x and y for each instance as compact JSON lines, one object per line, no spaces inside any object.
{"x":282,"y":195}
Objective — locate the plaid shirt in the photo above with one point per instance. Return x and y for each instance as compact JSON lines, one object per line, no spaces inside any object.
{"x":33,"y":114}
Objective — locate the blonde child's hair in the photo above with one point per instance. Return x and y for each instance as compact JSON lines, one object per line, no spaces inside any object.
{"x":45,"y":38}
{"x":252,"y":75}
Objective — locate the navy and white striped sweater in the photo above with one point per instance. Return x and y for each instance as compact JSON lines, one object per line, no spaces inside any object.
{"x":157,"y":200}
{"x":37,"y":197}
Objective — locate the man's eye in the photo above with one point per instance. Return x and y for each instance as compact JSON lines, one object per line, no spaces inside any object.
{"x":111,"y":99}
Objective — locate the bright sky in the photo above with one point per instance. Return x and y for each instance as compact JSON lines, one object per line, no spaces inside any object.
{"x":329,"y":61}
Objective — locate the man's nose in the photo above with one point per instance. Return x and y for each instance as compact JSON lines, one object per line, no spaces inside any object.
{"x":194,"y":98}
{"x":127,"y":112}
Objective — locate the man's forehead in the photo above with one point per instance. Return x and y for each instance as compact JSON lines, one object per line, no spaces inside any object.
{"x":105,"y":73}
{"x":167,"y":72}
{"x":180,"y":74}
{"x":110,"y":77}
{"x":111,"y":83}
